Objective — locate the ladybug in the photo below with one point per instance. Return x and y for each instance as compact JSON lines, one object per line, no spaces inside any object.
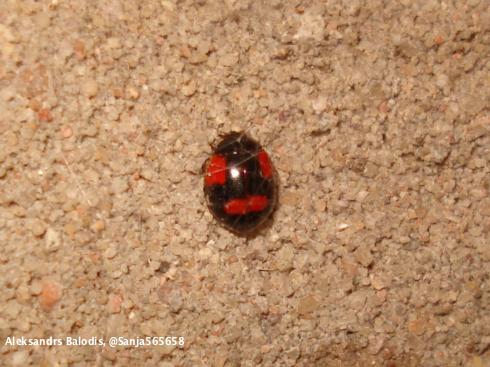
{"x":240,"y":183}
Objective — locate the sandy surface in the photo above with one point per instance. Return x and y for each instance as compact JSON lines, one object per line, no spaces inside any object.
{"x":376,"y":116}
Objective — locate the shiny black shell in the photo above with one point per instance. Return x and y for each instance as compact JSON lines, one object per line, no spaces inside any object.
{"x":240,"y":183}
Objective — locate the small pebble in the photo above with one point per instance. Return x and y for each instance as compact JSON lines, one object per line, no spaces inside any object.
{"x":98,"y":226}
{"x":438,"y":40}
{"x":23,"y":325}
{"x":52,"y":239}
{"x":114,"y":304}
{"x":229,"y":59}
{"x":175,"y":300}
{"x":363,"y":256}
{"x":120,"y":185}
{"x":163,"y":267}
{"x":67,"y":132}
{"x":19,"y":211}
{"x":11,"y":309}
{"x":377,"y":282}
{"x":79,"y":49}
{"x":342,"y":226}
{"x":132,"y":92}
{"x":307,"y":305}
{"x":114,"y":43}
{"x":284,"y":258}
{"x":234,"y":333}
{"x":111,"y":252}
{"x":19,"y":358}
{"x":36,"y":288}
{"x":189,"y":89}
{"x":37,"y":227}
{"x":416,"y":326}
{"x":71,"y":228}
{"x":7,"y":93}
{"x":90,"y":88}
{"x":45,"y":115}
{"x":50,"y":295}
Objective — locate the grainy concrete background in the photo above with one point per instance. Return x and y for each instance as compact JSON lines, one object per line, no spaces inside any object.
{"x":376,"y":115}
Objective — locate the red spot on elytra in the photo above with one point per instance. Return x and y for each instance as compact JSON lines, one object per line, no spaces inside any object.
{"x":265,"y":164}
{"x":236,"y":206}
{"x":255,"y":203}
{"x":216,"y":171}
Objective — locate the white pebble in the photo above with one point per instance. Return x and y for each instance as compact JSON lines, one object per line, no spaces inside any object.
{"x":53,"y":239}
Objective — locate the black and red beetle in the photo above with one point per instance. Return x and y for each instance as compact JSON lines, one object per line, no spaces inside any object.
{"x":240,"y":183}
